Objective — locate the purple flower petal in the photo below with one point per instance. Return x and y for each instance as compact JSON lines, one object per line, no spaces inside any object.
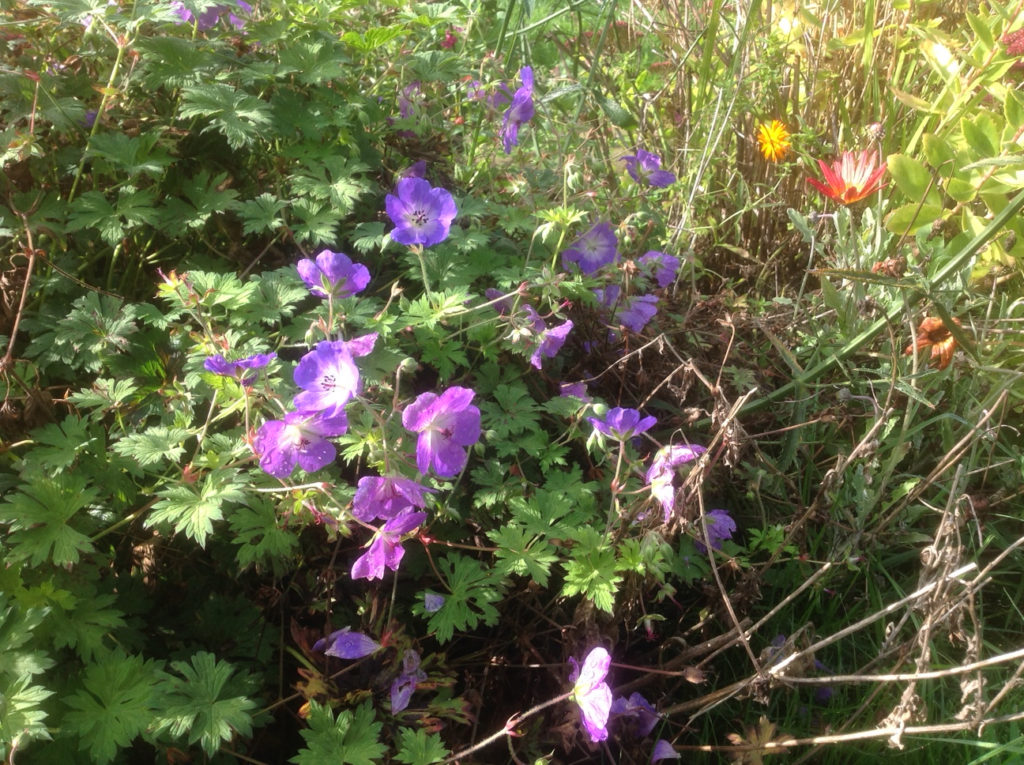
{"x":421,"y":214}
{"x":593,"y":695}
{"x":622,"y":424}
{"x":386,"y":496}
{"x":663,"y":750}
{"x":333,"y":274}
{"x":345,"y":644}
{"x":720,"y":526}
{"x":662,"y":471}
{"x":519,"y":112}
{"x":300,"y":438}
{"x":328,"y":376}
{"x":432,"y":602}
{"x":445,"y":424}
{"x":661,"y":267}
{"x":644,"y":168}
{"x":596,"y":248}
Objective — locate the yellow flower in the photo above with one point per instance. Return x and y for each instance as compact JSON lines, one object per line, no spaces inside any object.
{"x":774,"y":139}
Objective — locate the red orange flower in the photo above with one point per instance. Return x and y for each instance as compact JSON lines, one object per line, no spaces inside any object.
{"x":935,"y":335}
{"x":851,"y":177}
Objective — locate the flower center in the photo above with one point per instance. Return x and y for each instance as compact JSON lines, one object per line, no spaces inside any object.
{"x":417,"y":218}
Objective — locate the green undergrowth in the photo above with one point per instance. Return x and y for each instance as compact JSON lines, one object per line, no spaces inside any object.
{"x":161,"y":595}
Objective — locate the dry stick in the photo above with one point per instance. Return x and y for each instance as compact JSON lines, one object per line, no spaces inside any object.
{"x":910,"y":676}
{"x":767,"y":617}
{"x":912,"y":730}
{"x":954,"y":454}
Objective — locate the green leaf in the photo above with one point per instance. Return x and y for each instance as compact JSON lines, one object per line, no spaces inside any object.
{"x":114,"y":704}
{"x":59,"y":445}
{"x":909,"y":218}
{"x":192,"y":508}
{"x":208,"y":704}
{"x":913,"y":179}
{"x":22,"y":718}
{"x":473,"y":591}
{"x":261,"y":214}
{"x":592,"y":569}
{"x":417,"y":747}
{"x":259,"y":536}
{"x":520,"y":552}
{"x":238,"y":116}
{"x":131,"y":155}
{"x":982,"y":135}
{"x":153,"y":446}
{"x":85,"y":621}
{"x":352,"y":738}
{"x":39,"y":516}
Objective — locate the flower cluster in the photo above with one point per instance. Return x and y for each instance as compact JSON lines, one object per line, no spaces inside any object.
{"x":209,"y":18}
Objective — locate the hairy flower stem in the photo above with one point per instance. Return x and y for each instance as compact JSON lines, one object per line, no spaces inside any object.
{"x":507,"y":730}
{"x":418,"y":250}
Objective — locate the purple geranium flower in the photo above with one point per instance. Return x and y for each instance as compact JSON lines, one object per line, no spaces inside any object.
{"x":643,"y":716}
{"x":633,"y":312}
{"x":662,"y":471}
{"x":386,"y":548}
{"x":446,"y":425}
{"x":208,"y":18}
{"x":385,"y":497}
{"x":403,"y":686}
{"x":345,"y":644}
{"x":661,"y":267}
{"x":663,"y":750}
{"x":645,"y":167}
{"x":328,"y":374}
{"x":592,"y":693}
{"x":519,"y":112}
{"x":432,"y":602}
{"x":622,"y":424}
{"x":407,"y":98}
{"x":546,"y":342}
{"x":720,"y":527}
{"x":333,"y":274}
{"x":576,"y":390}
{"x":596,"y":248}
{"x":421,"y":213}
{"x":237,"y":369}
{"x":300,"y":438}
{"x":636,"y":312}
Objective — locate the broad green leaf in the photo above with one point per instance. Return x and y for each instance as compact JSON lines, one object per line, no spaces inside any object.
{"x":115,"y":703}
{"x":39,"y":518}
{"x":913,"y":179}
{"x":911,"y":217}
{"x":351,"y":739}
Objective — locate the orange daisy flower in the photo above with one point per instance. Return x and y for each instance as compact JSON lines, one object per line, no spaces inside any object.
{"x":850,"y":178}
{"x":935,"y":335}
{"x":774,"y":139}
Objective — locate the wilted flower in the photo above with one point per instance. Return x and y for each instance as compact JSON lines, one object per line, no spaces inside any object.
{"x":300,"y":438}
{"x":446,"y":425}
{"x":645,"y":167}
{"x":643,"y":716}
{"x":663,"y":750}
{"x":422,"y":214}
{"x":237,"y":369}
{"x":386,"y":549}
{"x":345,"y":644}
{"x":385,"y":497}
{"x":720,"y":527}
{"x":850,"y":178}
{"x":406,"y":100}
{"x":519,"y":111}
{"x":662,"y":471}
{"x":933,"y":333}
{"x":774,"y":139}
{"x":328,"y":377}
{"x":596,"y":248}
{"x":403,"y":686}
{"x":661,"y":267}
{"x":592,"y":693}
{"x":333,"y":274}
{"x":622,"y":424}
